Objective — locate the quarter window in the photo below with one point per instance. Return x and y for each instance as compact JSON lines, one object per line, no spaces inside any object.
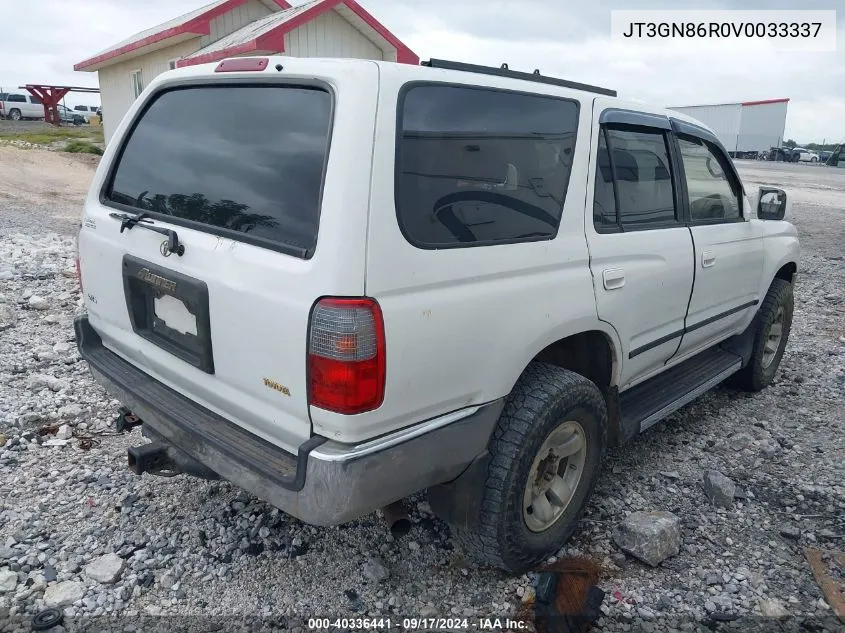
{"x":644,"y":190}
{"x":713,"y":194}
{"x":481,"y":166}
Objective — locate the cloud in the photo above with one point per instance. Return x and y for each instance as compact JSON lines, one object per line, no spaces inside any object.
{"x":568,"y":39}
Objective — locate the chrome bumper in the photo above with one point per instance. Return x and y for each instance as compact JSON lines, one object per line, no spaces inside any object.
{"x":326,"y":483}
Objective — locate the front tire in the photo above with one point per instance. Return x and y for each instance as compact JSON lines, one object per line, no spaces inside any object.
{"x":772,"y":326}
{"x":545,"y":456}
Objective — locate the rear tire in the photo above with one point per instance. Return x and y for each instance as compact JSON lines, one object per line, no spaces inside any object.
{"x":538,"y":479}
{"x":772,"y":324}
{"x":15,"y":115}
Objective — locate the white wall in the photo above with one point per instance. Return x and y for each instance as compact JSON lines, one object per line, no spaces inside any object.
{"x":724,"y":120}
{"x":116,"y":81}
{"x":329,"y":35}
{"x":762,"y":126}
{"x":235,"y":19}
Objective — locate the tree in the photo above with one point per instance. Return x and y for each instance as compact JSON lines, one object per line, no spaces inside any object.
{"x":789,"y":143}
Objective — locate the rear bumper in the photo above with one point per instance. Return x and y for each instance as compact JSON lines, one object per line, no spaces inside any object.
{"x":326,"y":483}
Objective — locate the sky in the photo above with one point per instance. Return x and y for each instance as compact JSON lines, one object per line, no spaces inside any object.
{"x":42,"y":41}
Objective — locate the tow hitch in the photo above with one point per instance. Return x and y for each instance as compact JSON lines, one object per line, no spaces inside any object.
{"x":159,"y":457}
{"x":151,"y":458}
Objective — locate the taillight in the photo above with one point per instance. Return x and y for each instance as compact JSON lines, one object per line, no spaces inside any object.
{"x":346,"y":356}
{"x":78,"y":273}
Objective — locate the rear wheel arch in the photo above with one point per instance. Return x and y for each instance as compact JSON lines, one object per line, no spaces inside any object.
{"x":787,"y":272}
{"x":591,"y":354}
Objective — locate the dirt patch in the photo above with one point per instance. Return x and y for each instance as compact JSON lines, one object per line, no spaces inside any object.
{"x":818,"y":206}
{"x":49,"y":185}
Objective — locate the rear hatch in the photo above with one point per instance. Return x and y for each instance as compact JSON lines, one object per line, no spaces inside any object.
{"x":249,"y":184}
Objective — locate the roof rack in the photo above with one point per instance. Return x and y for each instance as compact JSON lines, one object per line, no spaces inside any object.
{"x":504,"y":71}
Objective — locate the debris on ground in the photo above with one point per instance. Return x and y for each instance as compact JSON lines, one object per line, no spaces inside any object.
{"x":718,"y":489}
{"x":651,"y":537}
{"x":829,"y":571}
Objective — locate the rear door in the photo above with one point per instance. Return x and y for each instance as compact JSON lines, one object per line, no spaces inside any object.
{"x":641,"y":254}
{"x":263,"y":203}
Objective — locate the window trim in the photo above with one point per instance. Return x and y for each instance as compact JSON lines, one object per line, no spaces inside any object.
{"x":245,"y":238}
{"x":132,"y":74}
{"x":733,"y":179}
{"x":400,"y":108}
{"x":666,"y":133}
{"x":605,"y":229}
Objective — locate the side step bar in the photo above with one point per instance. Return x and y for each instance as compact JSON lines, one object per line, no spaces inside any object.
{"x":646,"y":404}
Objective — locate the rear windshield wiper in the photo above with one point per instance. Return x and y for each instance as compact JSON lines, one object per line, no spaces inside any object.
{"x":128,"y":222}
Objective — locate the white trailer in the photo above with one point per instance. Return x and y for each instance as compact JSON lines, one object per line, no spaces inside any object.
{"x":745,"y":128}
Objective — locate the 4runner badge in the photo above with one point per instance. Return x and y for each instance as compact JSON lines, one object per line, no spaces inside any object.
{"x":156,"y":281}
{"x":276,"y":386}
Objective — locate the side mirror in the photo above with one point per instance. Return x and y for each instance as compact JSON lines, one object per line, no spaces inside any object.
{"x":772,"y":204}
{"x":715,"y":168}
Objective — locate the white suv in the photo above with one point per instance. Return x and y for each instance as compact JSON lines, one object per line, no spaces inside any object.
{"x":386,"y":278}
{"x":18,"y":106}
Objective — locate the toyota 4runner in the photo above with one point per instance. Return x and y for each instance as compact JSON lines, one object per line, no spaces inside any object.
{"x":380,"y":279}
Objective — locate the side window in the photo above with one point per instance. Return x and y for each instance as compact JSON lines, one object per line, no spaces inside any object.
{"x":478,"y":166}
{"x":644,"y":189}
{"x":36,"y":101}
{"x":713,"y":192}
{"x":605,"y":215}
{"x":137,"y":78}
{"x":17,"y":98}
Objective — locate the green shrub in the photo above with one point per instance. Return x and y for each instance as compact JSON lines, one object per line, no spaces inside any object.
{"x":82,"y":147}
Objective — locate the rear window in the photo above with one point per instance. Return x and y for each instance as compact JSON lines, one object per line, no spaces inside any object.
{"x":246,"y":162}
{"x":479,"y":166}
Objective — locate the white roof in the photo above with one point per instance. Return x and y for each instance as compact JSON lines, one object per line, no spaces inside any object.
{"x":164,"y":26}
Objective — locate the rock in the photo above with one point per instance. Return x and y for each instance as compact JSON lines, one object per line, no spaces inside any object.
{"x":740,"y":441}
{"x":671,"y":474}
{"x":8,"y":581}
{"x":70,"y":411}
{"x":55,"y":442}
{"x":64,"y":432}
{"x":772,"y":608}
{"x":719,"y":489}
{"x":375,"y":570}
{"x":38,"y":303}
{"x":106,"y":569}
{"x":2,"y":440}
{"x":791,"y":531}
{"x":651,"y":537}
{"x":51,"y":382}
{"x":8,"y":317}
{"x":64,"y":593}
{"x":530,"y":596}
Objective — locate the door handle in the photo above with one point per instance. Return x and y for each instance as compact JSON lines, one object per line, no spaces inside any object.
{"x":708,"y":259}
{"x":613,"y":278}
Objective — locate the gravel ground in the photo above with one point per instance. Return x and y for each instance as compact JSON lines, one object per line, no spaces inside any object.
{"x":191,"y":548}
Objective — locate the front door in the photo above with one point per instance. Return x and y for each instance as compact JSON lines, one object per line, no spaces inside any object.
{"x":641,"y":254}
{"x":728,"y":250}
